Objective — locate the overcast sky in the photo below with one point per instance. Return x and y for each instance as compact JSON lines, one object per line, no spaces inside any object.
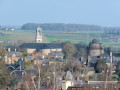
{"x":98,"y":12}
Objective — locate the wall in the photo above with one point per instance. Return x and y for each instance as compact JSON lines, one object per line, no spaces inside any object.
{"x":45,"y":51}
{"x":30,"y":50}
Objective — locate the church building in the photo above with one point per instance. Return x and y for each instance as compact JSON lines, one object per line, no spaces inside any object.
{"x":40,"y":45}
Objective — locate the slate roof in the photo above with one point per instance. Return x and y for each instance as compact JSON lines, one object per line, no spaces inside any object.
{"x":18,"y":74}
{"x":20,"y":63}
{"x":57,"y":59}
{"x":13,"y":52}
{"x":18,"y":69}
{"x":94,"y":59}
{"x":54,"y":53}
{"x":95,"y":41}
{"x":41,"y":45}
{"x":69,"y":76}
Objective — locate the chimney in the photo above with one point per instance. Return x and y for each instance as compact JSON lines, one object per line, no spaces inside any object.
{"x":111,"y":57}
{"x":8,"y":49}
{"x":88,"y":61}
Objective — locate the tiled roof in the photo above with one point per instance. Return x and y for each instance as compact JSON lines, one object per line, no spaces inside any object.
{"x":41,"y":45}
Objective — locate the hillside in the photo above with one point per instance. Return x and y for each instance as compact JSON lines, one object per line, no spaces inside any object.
{"x":61,"y":27}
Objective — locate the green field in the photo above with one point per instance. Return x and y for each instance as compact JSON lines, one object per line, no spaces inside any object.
{"x":3,"y":38}
{"x":21,"y":36}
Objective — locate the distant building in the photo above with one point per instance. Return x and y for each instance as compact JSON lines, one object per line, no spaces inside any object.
{"x":39,"y":35}
{"x":56,"y":61}
{"x":56,"y":54}
{"x":11,"y":57}
{"x":95,"y":48}
{"x":45,"y":48}
{"x":69,"y":81}
{"x":40,"y":45}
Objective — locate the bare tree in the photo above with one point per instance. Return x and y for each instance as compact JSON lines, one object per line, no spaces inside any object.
{"x":28,"y":82}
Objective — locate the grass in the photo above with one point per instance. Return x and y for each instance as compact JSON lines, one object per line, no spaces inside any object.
{"x":73,"y":37}
{"x":2,"y":38}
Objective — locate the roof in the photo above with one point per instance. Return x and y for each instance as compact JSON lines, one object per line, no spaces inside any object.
{"x":54,"y":53}
{"x":32,"y":72}
{"x":20,"y":63}
{"x":95,"y":41}
{"x":56,"y":59}
{"x":41,"y":45}
{"x":13,"y":52}
{"x":69,"y":76}
{"x":18,"y":74}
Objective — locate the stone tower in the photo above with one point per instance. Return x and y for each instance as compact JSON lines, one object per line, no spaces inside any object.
{"x":38,"y":35}
{"x":95,"y":48}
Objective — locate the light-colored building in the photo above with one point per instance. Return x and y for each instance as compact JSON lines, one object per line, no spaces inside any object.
{"x":66,"y":84}
{"x":39,"y":35}
{"x":69,"y":81}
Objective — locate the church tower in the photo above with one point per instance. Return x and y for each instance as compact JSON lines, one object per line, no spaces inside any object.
{"x":38,"y":35}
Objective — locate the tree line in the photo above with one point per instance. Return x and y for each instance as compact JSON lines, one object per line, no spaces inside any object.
{"x":60,"y":26}
{"x":112,"y":30}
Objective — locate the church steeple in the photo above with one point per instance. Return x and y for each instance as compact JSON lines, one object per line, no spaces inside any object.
{"x":38,"y":35}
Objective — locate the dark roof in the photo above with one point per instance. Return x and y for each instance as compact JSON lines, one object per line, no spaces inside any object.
{"x":57,"y":59}
{"x":95,"y":41}
{"x":18,"y":74}
{"x":69,"y":76}
{"x":13,"y":52}
{"x":54,"y":53}
{"x":20,"y":63}
{"x":41,"y":45}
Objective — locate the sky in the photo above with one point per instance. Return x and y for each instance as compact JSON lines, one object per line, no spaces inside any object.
{"x":97,"y":12}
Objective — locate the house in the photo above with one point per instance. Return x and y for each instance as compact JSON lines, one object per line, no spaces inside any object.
{"x":93,"y":59}
{"x":56,"y":61}
{"x":19,"y":71}
{"x":39,"y":61}
{"x":68,"y":81}
{"x":11,"y":57}
{"x":56,"y":54}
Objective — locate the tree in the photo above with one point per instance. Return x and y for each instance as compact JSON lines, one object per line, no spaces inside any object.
{"x":118,"y":67}
{"x":69,"y":50}
{"x":100,"y":65}
{"x":24,"y":54}
{"x":4,"y":76}
{"x":27,"y":82}
{"x":81,"y":53}
{"x":2,"y":53}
